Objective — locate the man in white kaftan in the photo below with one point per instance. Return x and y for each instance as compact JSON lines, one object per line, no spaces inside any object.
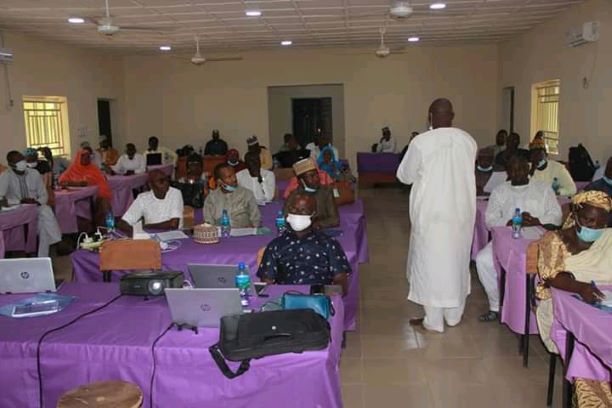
{"x":440,"y":166}
{"x":23,"y":185}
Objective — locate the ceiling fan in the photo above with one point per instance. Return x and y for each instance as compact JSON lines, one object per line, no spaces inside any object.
{"x":382,"y":51}
{"x":198,"y":59}
{"x":105,"y":24}
{"x":401,"y":10}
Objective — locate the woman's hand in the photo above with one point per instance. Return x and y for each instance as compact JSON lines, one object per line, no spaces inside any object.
{"x":589,"y":293}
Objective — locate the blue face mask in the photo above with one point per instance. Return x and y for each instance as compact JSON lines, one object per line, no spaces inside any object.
{"x":608,"y":180}
{"x":308,"y":189}
{"x":586,"y":234}
{"x":484,"y":169}
{"x":229,"y":189}
{"x":541,"y":163}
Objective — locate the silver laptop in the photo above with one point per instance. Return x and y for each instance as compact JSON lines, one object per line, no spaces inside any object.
{"x":26,"y":275}
{"x":213,"y":276}
{"x":202,"y":307}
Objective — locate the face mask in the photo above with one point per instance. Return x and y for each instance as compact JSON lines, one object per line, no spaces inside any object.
{"x":586,"y":234}
{"x":299,"y":222}
{"x":607,"y":180}
{"x":484,"y":169}
{"x":308,"y":189}
{"x":31,"y":165}
{"x":541,"y":164}
{"x":21,"y":165}
{"x":229,"y":189}
{"x":430,"y":127}
{"x":232,"y":163}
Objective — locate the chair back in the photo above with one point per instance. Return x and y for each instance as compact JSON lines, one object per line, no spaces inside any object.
{"x":188,"y":216}
{"x":282,"y":174}
{"x":532,"y":258}
{"x":129,"y":254}
{"x":210,"y":162}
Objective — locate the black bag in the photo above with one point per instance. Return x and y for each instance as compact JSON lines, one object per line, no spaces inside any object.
{"x":191,"y":192}
{"x":581,"y":165}
{"x":255,"y":335}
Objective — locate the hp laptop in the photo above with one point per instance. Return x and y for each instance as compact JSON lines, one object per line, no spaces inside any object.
{"x":26,"y":275}
{"x":202,"y":307}
{"x":213,"y":276}
{"x":154,"y":159}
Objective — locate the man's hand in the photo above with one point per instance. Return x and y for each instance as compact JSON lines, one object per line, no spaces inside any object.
{"x":530,"y":221}
{"x":590,"y":293}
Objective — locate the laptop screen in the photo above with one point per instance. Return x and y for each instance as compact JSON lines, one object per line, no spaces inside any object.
{"x":154,"y":159}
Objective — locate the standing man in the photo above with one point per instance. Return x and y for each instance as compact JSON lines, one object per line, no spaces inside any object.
{"x":442,"y":216}
{"x":216,"y":146}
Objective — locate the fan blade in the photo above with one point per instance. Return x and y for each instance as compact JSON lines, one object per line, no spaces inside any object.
{"x":143,"y":28}
{"x":224,"y":59}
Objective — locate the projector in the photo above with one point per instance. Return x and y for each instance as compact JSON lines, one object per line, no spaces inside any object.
{"x":149,"y":283}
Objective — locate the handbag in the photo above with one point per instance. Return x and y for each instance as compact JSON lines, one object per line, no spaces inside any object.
{"x":319,"y":303}
{"x":343,"y":192}
{"x":255,"y":335}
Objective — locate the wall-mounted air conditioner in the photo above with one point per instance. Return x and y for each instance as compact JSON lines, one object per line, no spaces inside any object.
{"x":588,"y":32}
{"x":6,"y":55}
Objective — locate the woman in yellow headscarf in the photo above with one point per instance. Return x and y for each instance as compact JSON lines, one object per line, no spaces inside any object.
{"x":570,"y":259}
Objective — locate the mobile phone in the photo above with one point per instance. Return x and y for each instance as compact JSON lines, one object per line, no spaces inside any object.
{"x":316,"y":289}
{"x":35,"y":309}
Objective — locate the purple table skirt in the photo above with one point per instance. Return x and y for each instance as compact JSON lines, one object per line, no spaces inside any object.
{"x":72,"y":203}
{"x":12,"y":227}
{"x":166,"y":168}
{"x":123,"y":187}
{"x":511,"y":255}
{"x":116,"y":343}
{"x":592,"y":329}
{"x":1,"y":245}
{"x":481,"y":232}
{"x":377,"y":162}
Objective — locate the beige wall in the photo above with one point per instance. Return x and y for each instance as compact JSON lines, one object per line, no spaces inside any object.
{"x":542,"y":54}
{"x":181,"y":103}
{"x":50,"y":69}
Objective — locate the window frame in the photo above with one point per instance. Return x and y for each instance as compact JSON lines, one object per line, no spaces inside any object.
{"x":57,"y":122}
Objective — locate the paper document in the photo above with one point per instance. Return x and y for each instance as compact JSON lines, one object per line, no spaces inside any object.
{"x":171,"y":235}
{"x":608,"y":300}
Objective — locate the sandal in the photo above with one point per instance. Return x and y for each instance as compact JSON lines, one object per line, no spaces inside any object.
{"x":490,"y":316}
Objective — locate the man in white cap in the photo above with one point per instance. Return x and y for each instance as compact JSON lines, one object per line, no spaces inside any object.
{"x":442,"y":217}
{"x":264,"y":153}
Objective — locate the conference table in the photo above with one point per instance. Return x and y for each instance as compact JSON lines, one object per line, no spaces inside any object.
{"x":128,"y":338}
{"x":376,"y":168}
{"x":74,"y":202}
{"x":19,"y":227}
{"x":123,"y":191}
{"x":231,"y":251}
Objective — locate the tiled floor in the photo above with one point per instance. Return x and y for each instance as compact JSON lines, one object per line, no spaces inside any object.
{"x":389,"y":364}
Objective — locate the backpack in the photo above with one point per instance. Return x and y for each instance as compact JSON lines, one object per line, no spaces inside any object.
{"x":581,"y":165}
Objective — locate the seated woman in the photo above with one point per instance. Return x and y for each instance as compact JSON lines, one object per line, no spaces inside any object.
{"x":570,"y":259}
{"x":82,"y":172}
{"x":58,"y":164}
{"x":328,"y":162}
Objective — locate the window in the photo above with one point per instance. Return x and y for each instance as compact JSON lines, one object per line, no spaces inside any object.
{"x":545,"y":112}
{"x":46,"y":123}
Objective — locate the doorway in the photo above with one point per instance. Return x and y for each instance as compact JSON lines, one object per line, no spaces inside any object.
{"x":508,"y":109}
{"x":104,"y":119}
{"x":311,"y":117}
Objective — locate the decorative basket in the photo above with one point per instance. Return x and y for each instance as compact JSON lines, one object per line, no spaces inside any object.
{"x":205,"y":234}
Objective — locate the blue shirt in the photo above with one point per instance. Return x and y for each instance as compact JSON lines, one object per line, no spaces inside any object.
{"x":313,"y":259}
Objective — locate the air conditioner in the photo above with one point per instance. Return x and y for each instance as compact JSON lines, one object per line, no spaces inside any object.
{"x":6,"y":56}
{"x":588,"y":32}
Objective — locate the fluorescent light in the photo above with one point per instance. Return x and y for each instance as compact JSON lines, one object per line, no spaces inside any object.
{"x":414,"y":39}
{"x":76,"y":20}
{"x":437,"y":6}
{"x":253,"y":13}
{"x":286,"y":42}
{"x":165,"y":48}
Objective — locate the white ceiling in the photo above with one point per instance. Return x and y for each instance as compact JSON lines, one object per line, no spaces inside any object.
{"x":222,"y":25}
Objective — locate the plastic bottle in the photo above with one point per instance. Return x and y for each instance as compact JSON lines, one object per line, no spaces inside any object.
{"x":517,"y":223}
{"x":110,"y":221}
{"x":243,"y":283}
{"x":281,"y":223}
{"x":226,"y":227}
{"x":556,"y":186}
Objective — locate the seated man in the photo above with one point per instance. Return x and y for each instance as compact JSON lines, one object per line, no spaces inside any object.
{"x":22,"y":185}
{"x":386,"y":143}
{"x":168,"y":156}
{"x":303,"y":254}
{"x":238,"y":201}
{"x":161,"y":208}
{"x":216,"y":146}
{"x":550,"y":172}
{"x":319,"y":144}
{"x":194,"y":185}
{"x":290,"y":143}
{"x":605,"y":183}
{"x":131,"y":162}
{"x":264,"y":154}
{"x":513,"y":143}
{"x":310,"y":183}
{"x":233,"y":159}
{"x":500,"y":142}
{"x":484,"y":169}
{"x":538,"y":206}
{"x":109,"y":154}
{"x":260,"y":181}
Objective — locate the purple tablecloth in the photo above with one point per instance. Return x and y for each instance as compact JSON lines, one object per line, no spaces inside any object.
{"x":12,"y":224}
{"x":281,"y":186}
{"x":377,"y":162}
{"x":1,"y":245}
{"x":481,"y":232}
{"x":72,"y":203}
{"x":116,"y":343}
{"x":592,"y":330}
{"x":511,"y":255}
{"x":123,"y":187}
{"x":166,"y":168}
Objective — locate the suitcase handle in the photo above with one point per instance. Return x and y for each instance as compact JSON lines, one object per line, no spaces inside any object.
{"x":215,"y":352}
{"x":277,"y":336}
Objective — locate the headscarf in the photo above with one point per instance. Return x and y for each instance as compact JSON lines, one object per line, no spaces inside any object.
{"x":537,"y":143}
{"x":597,"y":199}
{"x":90,"y":173}
{"x":30,"y":152}
{"x":327,"y":167}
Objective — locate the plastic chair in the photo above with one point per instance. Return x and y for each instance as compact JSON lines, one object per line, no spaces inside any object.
{"x":104,"y":394}
{"x":128,"y":254}
{"x":188,"y":216}
{"x":531,"y":269}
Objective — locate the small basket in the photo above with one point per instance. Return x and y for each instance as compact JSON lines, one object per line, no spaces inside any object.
{"x":205,"y":234}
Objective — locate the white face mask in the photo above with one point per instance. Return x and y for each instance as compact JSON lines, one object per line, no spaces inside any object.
{"x":21,"y":165}
{"x":299,"y":222}
{"x":31,"y":165}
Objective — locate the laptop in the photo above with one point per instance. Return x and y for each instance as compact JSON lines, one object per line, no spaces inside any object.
{"x":213,"y":276}
{"x":154,"y":159}
{"x":202,"y":307}
{"x":26,"y":275}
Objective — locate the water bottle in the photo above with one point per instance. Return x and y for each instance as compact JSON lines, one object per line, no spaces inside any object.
{"x":226,"y":227}
{"x":243,"y":283}
{"x":556,"y":186}
{"x":517,"y":222}
{"x":281,"y":223}
{"x":110,"y":221}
